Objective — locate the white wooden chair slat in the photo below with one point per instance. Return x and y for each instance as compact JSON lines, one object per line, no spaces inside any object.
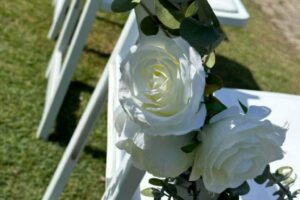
{"x":87,"y":121}
{"x":60,"y":10}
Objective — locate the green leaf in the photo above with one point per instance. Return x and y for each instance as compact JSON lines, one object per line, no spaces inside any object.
{"x":203,"y":38}
{"x":172,"y":191}
{"x":148,"y":192}
{"x":149,"y":26}
{"x":210,"y":60}
{"x":241,"y":190}
{"x":167,"y":14}
{"x":206,"y":14}
{"x":295,"y":193}
{"x":283,"y":173}
{"x":213,"y":83}
{"x":214,"y":106}
{"x":244,"y":108}
{"x":189,"y":148}
{"x":156,"y":181}
{"x":264,"y":176}
{"x":191,"y":9}
{"x":123,"y":5}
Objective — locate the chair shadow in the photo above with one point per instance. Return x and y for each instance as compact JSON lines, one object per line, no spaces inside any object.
{"x":68,"y":119}
{"x":96,"y":52}
{"x":120,"y":25}
{"x":234,"y":74}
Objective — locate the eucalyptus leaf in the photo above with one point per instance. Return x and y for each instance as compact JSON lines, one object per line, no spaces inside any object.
{"x":156,"y":181}
{"x":149,"y":26}
{"x":241,"y":190}
{"x":148,"y":192}
{"x":167,"y":14}
{"x":296,"y":193}
{"x":213,"y":83}
{"x":123,"y":5}
{"x":288,"y":182}
{"x":264,"y":176}
{"x":270,"y":183}
{"x":210,"y":60}
{"x":279,"y":193}
{"x":203,"y":38}
{"x":283,"y":173}
{"x":190,"y":147}
{"x":206,"y":14}
{"x":214,"y":106}
{"x":191,"y":9}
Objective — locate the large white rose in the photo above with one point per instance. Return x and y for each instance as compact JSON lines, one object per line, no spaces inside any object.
{"x":161,"y":93}
{"x":236,"y":147}
{"x":161,"y":87}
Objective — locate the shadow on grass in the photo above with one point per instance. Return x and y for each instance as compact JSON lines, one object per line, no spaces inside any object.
{"x":114,"y":23}
{"x":234,"y":74}
{"x":67,"y":119}
{"x":96,"y":52}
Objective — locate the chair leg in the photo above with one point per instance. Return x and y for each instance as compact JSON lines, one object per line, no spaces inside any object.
{"x":88,"y":119}
{"x":125,"y":182}
{"x":78,"y":140}
{"x":68,"y":67}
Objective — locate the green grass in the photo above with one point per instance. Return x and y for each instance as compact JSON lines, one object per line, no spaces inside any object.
{"x":257,"y":57}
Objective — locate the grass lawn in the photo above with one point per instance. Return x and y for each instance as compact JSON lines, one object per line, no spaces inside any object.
{"x":256,"y":57}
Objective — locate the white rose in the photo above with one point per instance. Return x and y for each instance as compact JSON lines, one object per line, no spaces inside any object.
{"x":160,"y":155}
{"x":161,"y":91}
{"x":236,"y":147}
{"x":161,"y":87}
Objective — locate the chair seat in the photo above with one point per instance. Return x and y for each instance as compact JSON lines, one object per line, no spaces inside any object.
{"x":230,"y":12}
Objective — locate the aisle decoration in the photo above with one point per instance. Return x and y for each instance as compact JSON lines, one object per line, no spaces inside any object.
{"x":171,"y":123}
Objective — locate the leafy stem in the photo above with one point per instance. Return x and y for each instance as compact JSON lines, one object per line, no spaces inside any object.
{"x":282,"y":187}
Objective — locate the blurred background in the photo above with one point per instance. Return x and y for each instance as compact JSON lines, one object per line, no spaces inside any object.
{"x":264,"y":55}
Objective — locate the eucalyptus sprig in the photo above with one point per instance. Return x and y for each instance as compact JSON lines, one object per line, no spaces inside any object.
{"x":283,"y":178}
{"x":193,"y":20}
{"x":162,"y":187}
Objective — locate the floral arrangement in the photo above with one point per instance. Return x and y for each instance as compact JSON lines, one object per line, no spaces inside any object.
{"x":171,"y":123}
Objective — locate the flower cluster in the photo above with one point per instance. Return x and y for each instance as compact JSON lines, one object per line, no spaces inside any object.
{"x":169,"y":120}
{"x":162,"y":97}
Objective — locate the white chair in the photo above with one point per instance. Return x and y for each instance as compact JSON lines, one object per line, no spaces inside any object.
{"x":128,"y":38}
{"x":230,"y":12}
{"x":61,"y":68}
